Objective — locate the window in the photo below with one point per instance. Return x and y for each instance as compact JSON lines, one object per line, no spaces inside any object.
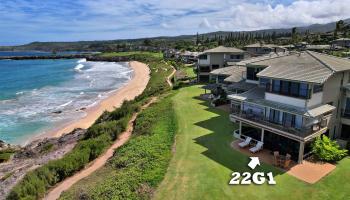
{"x":346,"y":112}
{"x":288,"y":120}
{"x":215,"y":66}
{"x":294,"y":89}
{"x":251,"y":73}
{"x":345,"y":131}
{"x":274,"y":116}
{"x":284,"y":87}
{"x":264,"y":82}
{"x":203,"y":57}
{"x":236,"y":57}
{"x":303,"y":90}
{"x":317,"y":88}
{"x":276,"y":85}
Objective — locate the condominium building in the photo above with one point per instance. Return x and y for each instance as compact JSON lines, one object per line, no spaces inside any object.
{"x":297,"y":97}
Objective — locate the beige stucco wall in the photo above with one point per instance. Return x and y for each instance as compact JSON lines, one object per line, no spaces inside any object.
{"x":332,"y":92}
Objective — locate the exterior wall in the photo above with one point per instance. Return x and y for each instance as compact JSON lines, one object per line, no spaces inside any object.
{"x":332,"y":93}
{"x":217,"y":59}
{"x":204,"y":62}
{"x":316,"y":99}
{"x":285,"y":99}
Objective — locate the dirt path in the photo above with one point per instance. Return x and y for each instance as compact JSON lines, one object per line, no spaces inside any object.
{"x":97,"y":163}
{"x":170,"y":76}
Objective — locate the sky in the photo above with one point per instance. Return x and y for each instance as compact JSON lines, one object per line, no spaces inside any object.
{"x":24,"y":21}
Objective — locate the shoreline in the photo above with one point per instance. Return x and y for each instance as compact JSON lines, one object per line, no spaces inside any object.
{"x":134,"y":87}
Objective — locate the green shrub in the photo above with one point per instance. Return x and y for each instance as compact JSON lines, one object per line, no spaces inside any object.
{"x":327,"y":150}
{"x":5,"y":155}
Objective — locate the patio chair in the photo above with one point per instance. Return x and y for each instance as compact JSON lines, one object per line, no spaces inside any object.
{"x":257,"y":148}
{"x":287,"y":161}
{"x":245,"y":143}
{"x":276,"y":158}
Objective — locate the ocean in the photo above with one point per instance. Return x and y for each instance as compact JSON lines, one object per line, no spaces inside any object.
{"x":38,"y":95}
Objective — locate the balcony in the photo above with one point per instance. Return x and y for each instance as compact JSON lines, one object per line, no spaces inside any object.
{"x":259,"y":120}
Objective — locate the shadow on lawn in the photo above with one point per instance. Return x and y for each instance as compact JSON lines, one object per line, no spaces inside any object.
{"x":218,"y":141}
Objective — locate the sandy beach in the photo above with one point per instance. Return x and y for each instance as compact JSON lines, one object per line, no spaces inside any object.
{"x":128,"y":92}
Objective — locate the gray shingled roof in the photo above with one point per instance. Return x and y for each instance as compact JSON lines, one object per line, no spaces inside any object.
{"x":337,"y":64}
{"x":257,"y":45}
{"x":229,"y":70}
{"x":305,"y":67}
{"x":260,"y":58}
{"x":222,"y":49}
{"x":235,"y":73}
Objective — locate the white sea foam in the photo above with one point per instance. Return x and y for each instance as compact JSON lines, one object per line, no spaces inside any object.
{"x":79,"y":67}
{"x":65,"y":104}
{"x":81,"y":60}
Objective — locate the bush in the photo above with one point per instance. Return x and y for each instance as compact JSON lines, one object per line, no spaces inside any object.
{"x":327,"y":150}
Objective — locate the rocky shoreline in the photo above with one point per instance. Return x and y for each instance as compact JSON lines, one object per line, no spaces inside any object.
{"x":33,"y":155}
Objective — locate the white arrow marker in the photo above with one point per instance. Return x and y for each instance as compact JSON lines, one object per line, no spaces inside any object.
{"x":253,"y":162}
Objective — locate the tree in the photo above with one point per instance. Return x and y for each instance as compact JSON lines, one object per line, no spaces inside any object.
{"x":327,"y":150}
{"x":294,"y":35}
{"x":147,"y":42}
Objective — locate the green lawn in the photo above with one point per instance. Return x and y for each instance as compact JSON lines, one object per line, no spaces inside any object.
{"x":204,"y":161}
{"x":190,"y":72}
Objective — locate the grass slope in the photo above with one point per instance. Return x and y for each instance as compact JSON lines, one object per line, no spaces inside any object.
{"x":138,"y":166}
{"x":202,"y":165}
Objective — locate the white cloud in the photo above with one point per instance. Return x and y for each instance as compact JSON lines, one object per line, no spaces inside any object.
{"x":112,"y":19}
{"x":205,"y":23}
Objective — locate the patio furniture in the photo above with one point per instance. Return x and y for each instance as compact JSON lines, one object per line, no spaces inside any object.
{"x":287,"y":161}
{"x":257,"y":148}
{"x":245,"y":143}
{"x":276,"y":158}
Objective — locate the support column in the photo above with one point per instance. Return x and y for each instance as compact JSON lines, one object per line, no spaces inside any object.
{"x":262,"y":134}
{"x":240,"y":128}
{"x":301,"y":152}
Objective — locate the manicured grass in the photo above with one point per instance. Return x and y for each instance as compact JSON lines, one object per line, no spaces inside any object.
{"x":190,"y":72}
{"x":202,"y":165}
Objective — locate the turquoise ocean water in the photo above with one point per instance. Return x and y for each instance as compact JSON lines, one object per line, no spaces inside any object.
{"x":38,"y":95}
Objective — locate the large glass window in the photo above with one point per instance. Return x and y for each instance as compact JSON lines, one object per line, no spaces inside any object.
{"x":251,"y":73}
{"x":276,"y":85}
{"x":275,"y":116}
{"x":294,"y":89}
{"x":318,"y":88}
{"x":288,"y":120}
{"x":290,"y":88}
{"x":203,"y":57}
{"x":303,"y":90}
{"x":284,"y":87}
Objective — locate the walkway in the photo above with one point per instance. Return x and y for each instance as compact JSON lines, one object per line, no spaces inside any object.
{"x":97,"y":163}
